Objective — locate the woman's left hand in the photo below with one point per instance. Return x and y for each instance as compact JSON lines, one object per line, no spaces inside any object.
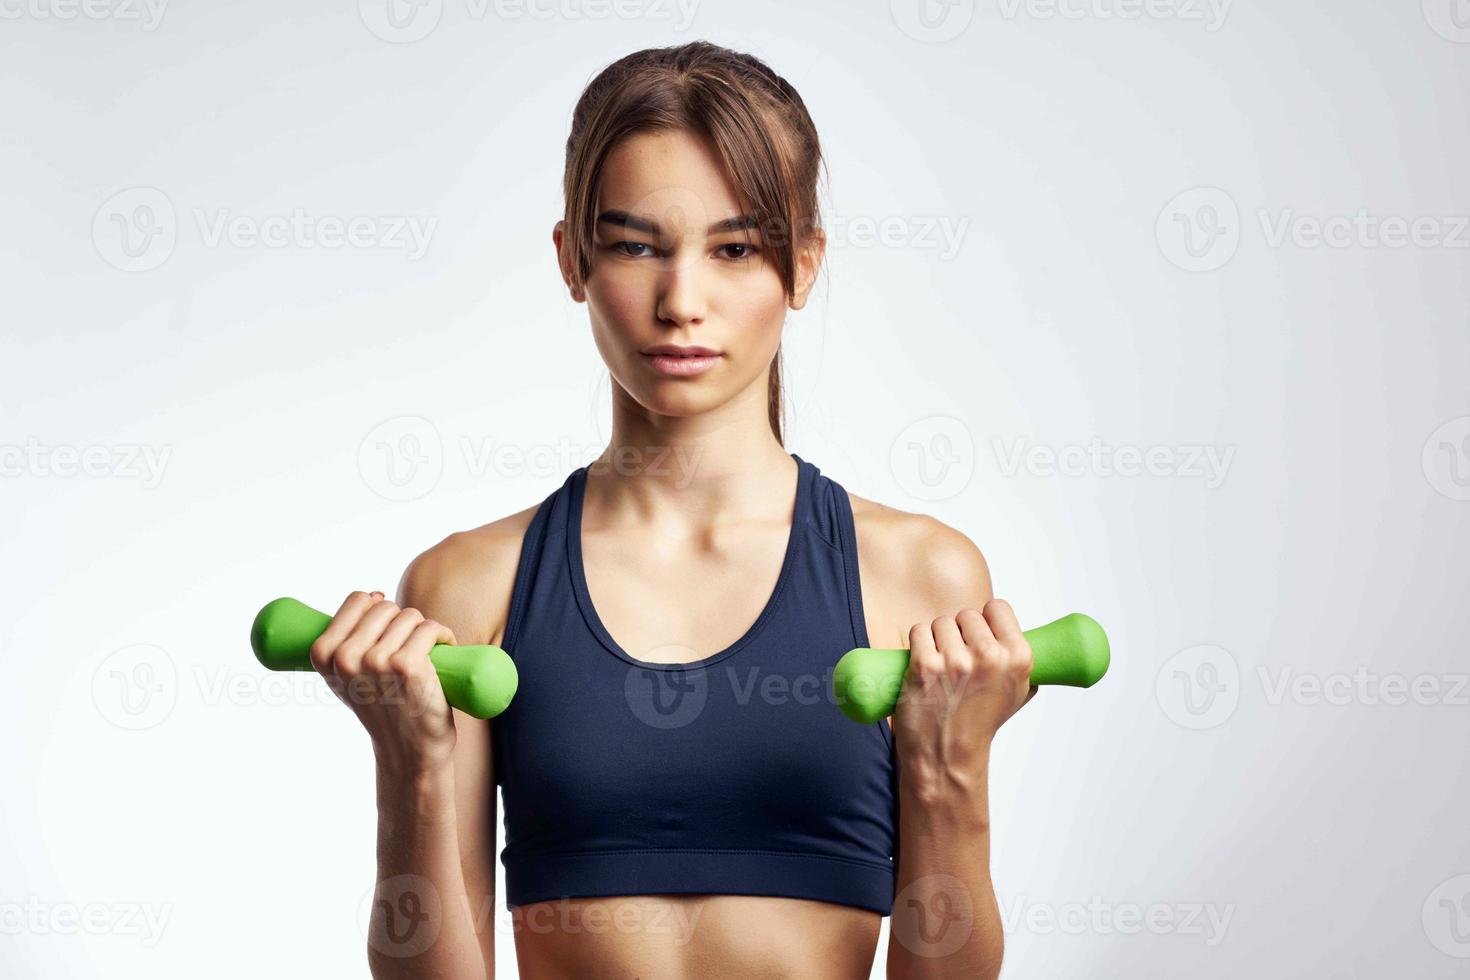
{"x":967,"y":675}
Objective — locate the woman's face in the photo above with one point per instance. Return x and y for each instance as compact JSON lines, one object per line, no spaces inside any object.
{"x":674,"y":263}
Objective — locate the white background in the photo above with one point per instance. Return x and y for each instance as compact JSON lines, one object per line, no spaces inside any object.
{"x":1257,"y":772}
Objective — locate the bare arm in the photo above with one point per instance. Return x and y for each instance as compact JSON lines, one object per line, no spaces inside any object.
{"x":946,"y":922}
{"x":434,"y":910}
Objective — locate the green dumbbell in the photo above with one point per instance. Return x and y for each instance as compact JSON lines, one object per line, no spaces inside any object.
{"x":478,"y":680}
{"x":1072,"y":651}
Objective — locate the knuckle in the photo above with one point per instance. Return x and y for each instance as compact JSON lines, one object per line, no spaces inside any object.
{"x":927,"y":666}
{"x":321,"y":652}
{"x":988,"y":652}
{"x":402,"y":663}
{"x":375,"y":661}
{"x":435,"y":629}
{"x":997,"y":605}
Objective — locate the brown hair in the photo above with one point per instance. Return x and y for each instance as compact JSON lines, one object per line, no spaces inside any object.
{"x":756,"y":120}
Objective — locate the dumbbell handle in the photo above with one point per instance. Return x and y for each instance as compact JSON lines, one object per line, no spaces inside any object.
{"x":1072,"y":651}
{"x":478,"y":680}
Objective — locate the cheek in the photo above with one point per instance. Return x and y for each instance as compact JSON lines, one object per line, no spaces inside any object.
{"x":619,"y":299}
{"x":760,"y":310}
{"x":747,"y":309}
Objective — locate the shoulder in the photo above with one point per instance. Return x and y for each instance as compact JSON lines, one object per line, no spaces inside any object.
{"x":914,"y":568}
{"x":465,"y":580}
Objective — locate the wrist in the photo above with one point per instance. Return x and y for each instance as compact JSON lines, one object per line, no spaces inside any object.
{"x":414,"y":784}
{"x":406,"y":761}
{"x":943,"y":811}
{"x":941,"y":796}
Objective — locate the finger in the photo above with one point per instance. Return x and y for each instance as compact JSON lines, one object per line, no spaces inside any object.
{"x":412,"y":656}
{"x":948,"y":639}
{"x":921,"y":645}
{"x":973,"y":627}
{"x":394,"y":634}
{"x":346,"y":617}
{"x":1007,"y":629}
{"x":1002,"y":621}
{"x":364,"y":636}
{"x":1029,"y":695}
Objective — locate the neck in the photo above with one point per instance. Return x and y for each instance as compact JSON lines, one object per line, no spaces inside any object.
{"x":696,"y":470}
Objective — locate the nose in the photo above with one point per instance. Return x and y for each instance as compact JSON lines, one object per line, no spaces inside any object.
{"x":681,"y":293}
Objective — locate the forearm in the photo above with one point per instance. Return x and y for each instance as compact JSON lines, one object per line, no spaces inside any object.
{"x":422,"y":925}
{"x":945,"y":921}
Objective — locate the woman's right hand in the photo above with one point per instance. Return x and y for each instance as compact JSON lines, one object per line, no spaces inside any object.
{"x":375,"y":657}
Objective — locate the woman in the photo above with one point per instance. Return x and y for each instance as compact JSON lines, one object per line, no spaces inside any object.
{"x":683,"y":799}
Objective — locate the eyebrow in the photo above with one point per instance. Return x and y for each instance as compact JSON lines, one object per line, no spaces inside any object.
{"x":622,"y":219}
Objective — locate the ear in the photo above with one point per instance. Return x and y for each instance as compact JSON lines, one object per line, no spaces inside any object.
{"x":808,"y":263}
{"x":564,"y":262}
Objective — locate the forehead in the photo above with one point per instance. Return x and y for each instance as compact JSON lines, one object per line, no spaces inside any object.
{"x":672,"y":176}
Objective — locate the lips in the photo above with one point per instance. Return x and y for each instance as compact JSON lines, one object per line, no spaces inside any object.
{"x":672,"y":361}
{"x":673,"y":350}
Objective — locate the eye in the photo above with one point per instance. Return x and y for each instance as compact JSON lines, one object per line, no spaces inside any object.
{"x":749,"y":250}
{"x":618,"y":247}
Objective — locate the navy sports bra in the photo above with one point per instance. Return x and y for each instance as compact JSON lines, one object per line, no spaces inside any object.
{"x":735,"y":774}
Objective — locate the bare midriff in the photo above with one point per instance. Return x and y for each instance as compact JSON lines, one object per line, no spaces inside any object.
{"x":694,"y":937}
